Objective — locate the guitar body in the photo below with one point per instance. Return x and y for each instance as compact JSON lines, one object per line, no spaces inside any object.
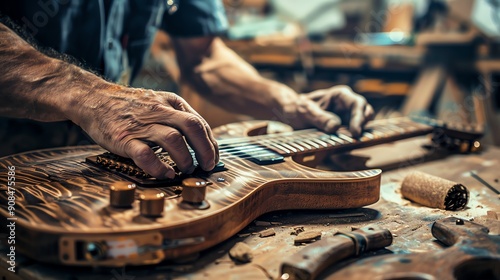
{"x":62,"y":213}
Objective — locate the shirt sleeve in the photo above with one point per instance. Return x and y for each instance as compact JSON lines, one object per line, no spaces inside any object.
{"x":194,"y":18}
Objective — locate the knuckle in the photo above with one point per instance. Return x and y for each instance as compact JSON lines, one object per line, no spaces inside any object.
{"x":174,"y":98}
{"x":361,"y":100}
{"x":176,"y":101}
{"x":141,"y":154}
{"x":344,"y":89}
{"x":156,"y":107}
{"x":194,"y":122}
{"x":173,"y":137}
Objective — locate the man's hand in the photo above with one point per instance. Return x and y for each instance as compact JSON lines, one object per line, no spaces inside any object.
{"x":120,"y":119}
{"x":327,"y":109}
{"x":213,"y":70}
{"x":124,"y":120}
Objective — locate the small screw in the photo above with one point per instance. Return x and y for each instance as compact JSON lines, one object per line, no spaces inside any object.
{"x":459,"y":222}
{"x":285,"y":276}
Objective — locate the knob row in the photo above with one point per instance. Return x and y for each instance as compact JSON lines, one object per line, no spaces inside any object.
{"x":152,"y":201}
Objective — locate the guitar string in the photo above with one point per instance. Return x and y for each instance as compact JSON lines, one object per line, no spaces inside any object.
{"x":256,"y":138}
{"x":286,"y":144}
{"x":290,"y":140}
{"x":259,"y":151}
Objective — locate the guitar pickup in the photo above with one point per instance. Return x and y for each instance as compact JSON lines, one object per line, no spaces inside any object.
{"x":255,"y":153}
{"x":267,"y":159}
{"x":126,"y":168}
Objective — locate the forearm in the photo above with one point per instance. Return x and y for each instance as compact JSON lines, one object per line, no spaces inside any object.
{"x":120,"y":119}
{"x":36,"y":86}
{"x":216,"y":72}
{"x":231,"y":83}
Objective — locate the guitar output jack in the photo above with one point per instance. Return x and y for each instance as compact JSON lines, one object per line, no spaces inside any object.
{"x":95,"y":251}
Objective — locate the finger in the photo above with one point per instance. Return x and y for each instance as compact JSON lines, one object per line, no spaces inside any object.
{"x":208,"y":130}
{"x":324,"y":120}
{"x":146,"y":159}
{"x":214,"y":142}
{"x":171,"y":140}
{"x":180,"y":104}
{"x":369,"y":113}
{"x":197,"y":136}
{"x":319,"y":94}
{"x":358,"y":118}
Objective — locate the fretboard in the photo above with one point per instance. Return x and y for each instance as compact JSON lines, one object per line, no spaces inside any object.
{"x":314,"y":141}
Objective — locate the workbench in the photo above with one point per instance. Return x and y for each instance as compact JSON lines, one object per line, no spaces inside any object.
{"x":408,"y":222}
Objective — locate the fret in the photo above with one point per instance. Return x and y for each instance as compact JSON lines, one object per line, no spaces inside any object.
{"x":385,"y":132}
{"x":301,"y":142}
{"x":336,"y":139}
{"x":299,"y":147}
{"x":367,"y":136}
{"x":320,"y":142}
{"x":286,"y":145}
{"x":280,"y":147}
{"x":346,"y":138}
{"x":310,"y":142}
{"x":327,"y":139}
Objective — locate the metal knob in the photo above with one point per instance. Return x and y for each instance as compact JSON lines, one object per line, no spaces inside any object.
{"x":194,"y":189}
{"x":152,"y":203}
{"x":121,"y":194}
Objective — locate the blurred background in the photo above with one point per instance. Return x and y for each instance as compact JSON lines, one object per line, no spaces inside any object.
{"x":438,"y":58}
{"x":427,"y":57}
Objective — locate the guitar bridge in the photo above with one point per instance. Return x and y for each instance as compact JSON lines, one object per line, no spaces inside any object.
{"x":125,"y":167}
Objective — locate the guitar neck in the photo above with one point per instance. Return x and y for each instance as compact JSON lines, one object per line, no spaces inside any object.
{"x":314,"y":141}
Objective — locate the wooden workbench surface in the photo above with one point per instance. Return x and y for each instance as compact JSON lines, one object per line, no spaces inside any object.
{"x":408,"y":222}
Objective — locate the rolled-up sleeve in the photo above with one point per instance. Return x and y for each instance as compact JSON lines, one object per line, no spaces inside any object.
{"x":194,"y":18}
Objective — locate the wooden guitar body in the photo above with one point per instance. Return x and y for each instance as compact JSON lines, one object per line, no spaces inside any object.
{"x":62,"y":213}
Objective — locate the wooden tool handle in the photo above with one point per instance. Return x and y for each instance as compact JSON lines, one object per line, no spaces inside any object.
{"x":313,"y":259}
{"x":450,"y":230}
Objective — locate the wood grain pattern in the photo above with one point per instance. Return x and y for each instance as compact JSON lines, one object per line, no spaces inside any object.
{"x":62,"y":201}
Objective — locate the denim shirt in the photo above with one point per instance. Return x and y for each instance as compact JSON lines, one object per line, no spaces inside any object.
{"x":111,"y":35}
{"x":108,"y":36}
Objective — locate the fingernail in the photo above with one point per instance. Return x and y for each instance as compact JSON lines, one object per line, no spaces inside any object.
{"x":356,"y":132}
{"x":331,"y":126}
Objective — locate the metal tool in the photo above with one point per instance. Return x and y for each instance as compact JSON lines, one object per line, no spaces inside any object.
{"x":473,"y":254}
{"x":313,"y":259}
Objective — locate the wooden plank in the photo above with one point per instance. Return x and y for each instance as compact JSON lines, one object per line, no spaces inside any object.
{"x":428,"y":83}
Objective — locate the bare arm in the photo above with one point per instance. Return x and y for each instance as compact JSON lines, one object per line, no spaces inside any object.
{"x":219,"y":74}
{"x":120,"y":119}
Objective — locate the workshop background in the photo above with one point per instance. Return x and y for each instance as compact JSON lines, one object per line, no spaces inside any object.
{"x":438,"y":58}
{"x":432,"y":58}
{"x":410,"y":57}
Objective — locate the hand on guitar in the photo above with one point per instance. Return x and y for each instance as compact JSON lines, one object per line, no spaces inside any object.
{"x":216,"y":72}
{"x":123,"y":120}
{"x":325,"y":109}
{"x":120,"y":119}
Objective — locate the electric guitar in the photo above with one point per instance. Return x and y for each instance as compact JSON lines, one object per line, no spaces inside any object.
{"x":84,"y":206}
